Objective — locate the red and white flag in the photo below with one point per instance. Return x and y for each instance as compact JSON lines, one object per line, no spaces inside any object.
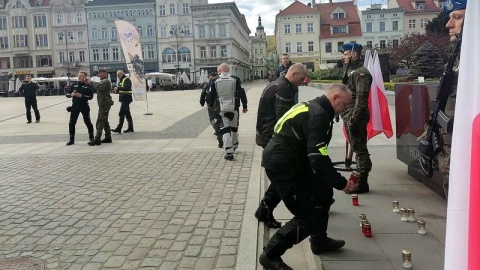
{"x":462,"y":247}
{"x":377,"y":102}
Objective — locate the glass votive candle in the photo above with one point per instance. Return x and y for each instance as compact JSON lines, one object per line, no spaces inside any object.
{"x":355,"y":199}
{"x":404,"y":213}
{"x":407,"y":259}
{"x":411,"y":215}
{"x":362,"y":218}
{"x":367,"y":231}
{"x":396,"y":206}
{"x":421,"y":227}
{"x":364,"y":222}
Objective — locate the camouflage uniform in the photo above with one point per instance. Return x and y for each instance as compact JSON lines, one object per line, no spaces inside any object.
{"x":357,"y":115}
{"x":105,"y":102}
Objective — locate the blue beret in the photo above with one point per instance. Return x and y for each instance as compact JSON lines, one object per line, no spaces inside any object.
{"x":452,"y":5}
{"x":351,"y":46}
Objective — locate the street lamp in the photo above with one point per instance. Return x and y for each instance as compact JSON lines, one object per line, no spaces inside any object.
{"x":67,"y":37}
{"x":174,"y":31}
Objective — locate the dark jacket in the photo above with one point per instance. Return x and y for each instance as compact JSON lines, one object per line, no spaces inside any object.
{"x":87,"y":94}
{"x":205,"y":95}
{"x":300,"y":142}
{"x":277,"y":98}
{"x":240,"y":95}
{"x":282,"y":70}
{"x":125,"y":90}
{"x":29,"y":90}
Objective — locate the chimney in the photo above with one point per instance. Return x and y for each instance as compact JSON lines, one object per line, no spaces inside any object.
{"x":309,"y":4}
{"x":330,"y":1}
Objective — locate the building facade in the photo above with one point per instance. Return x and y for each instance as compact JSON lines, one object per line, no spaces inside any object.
{"x":221,"y":35}
{"x":297,"y":30}
{"x":259,"y":52}
{"x":417,"y":13}
{"x":382,"y":27}
{"x":104,"y":45}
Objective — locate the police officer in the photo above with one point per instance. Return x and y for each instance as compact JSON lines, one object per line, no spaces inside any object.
{"x":81,"y":93}
{"x":105,"y":102}
{"x":275,"y":101}
{"x":229,"y":92}
{"x":29,"y":90}
{"x":213,"y":111}
{"x":297,"y":163}
{"x":124,"y":90}
{"x":357,"y":115}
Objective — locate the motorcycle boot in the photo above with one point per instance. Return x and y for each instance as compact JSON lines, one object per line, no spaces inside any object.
{"x":265,"y":214}
{"x":273,"y":263}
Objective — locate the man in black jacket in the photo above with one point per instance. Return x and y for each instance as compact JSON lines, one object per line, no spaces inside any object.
{"x":81,"y":93}
{"x":124,"y":90}
{"x":297,"y":163}
{"x":282,"y":69}
{"x":213,"y":111}
{"x":29,"y":90}
{"x":275,"y":101}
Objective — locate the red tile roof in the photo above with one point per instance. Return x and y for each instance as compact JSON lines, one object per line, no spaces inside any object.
{"x":297,"y":7}
{"x":351,"y":19}
{"x":409,"y":6}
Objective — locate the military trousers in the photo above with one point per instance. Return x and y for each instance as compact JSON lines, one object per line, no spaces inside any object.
{"x":102,"y":123}
{"x":357,"y":137}
{"x":85,"y":111}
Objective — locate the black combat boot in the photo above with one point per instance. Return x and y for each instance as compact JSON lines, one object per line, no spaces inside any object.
{"x":72,"y":140}
{"x":116,"y":130}
{"x":94,"y":142}
{"x":107,"y":140}
{"x":273,"y":263}
{"x":327,"y":245}
{"x":265,"y":215}
{"x":130,"y":129}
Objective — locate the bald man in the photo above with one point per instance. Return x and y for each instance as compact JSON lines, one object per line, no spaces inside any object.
{"x":124,"y":90}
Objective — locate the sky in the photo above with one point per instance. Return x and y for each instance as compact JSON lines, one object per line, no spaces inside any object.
{"x":268,"y":9}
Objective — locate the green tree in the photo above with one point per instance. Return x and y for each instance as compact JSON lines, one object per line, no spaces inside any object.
{"x":438,"y":25}
{"x":426,"y":62}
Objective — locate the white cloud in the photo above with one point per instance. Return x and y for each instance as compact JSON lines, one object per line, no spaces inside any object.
{"x":268,"y":9}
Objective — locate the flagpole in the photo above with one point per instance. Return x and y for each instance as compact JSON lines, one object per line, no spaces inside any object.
{"x":146,"y":98}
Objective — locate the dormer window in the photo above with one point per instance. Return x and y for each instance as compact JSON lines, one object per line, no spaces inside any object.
{"x":339,"y":29}
{"x":339,"y":15}
{"x":419,"y":5}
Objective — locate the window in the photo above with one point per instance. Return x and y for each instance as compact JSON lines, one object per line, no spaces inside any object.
{"x":61,"y":57}
{"x":203,"y":52}
{"x":80,"y":37}
{"x":256,"y":51}
{"x":287,"y":28}
{"x":299,"y":46}
{"x":298,"y":28}
{"x":172,"y":9}
{"x":369,"y":44}
{"x":113,"y":33}
{"x":22,"y":62}
{"x":140,"y":30}
{"x":369,"y":16}
{"x":310,"y":46}
{"x":161,"y":10}
{"x":310,"y":27}
{"x":71,"y":56}
{"x":222,"y":28}
{"x":40,"y":20}
{"x":115,"y":54}
{"x":5,"y":62}
{"x":104,"y":33}
{"x":213,"y":51}
{"x":394,"y":25}
{"x":94,"y":33}
{"x":106,"y":54}
{"x":186,"y":9}
{"x":81,"y":56}
{"x":19,"y":21}
{"x":186,"y":30}
{"x":3,"y":23}
{"x":149,"y":31}
{"x":163,"y":31}
{"x":338,"y":15}
{"x":339,"y":29}
{"x":288,"y":47}
{"x":395,"y":14}
{"x":411,"y":24}
{"x":79,"y":18}
{"x":212,"y":31}
{"x":423,"y":23}
{"x":201,"y":31}
{"x":419,"y":5}
{"x":59,"y":19}
{"x":3,"y":42}
{"x":20,"y":41}
{"x":150,"y":52}
{"x":184,"y":54}
{"x":41,"y":40}
{"x":382,"y":26}
{"x":96,"y":55}
{"x":223,"y":51}
{"x":382,"y":44}
{"x":328,"y":47}
{"x":339,"y":46}
{"x":395,"y":43}
{"x":369,"y":27}
{"x":382,"y":15}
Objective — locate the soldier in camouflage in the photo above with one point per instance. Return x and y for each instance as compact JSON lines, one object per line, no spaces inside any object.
{"x":105,"y":102}
{"x":357,"y":115}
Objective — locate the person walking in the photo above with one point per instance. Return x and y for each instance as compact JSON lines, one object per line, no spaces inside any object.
{"x":105,"y":102}
{"x":356,"y":116}
{"x":229,"y":92}
{"x":277,"y":98}
{"x":124,"y":90}
{"x":213,"y":111}
{"x":80,"y":92}
{"x":29,"y":90}
{"x":300,"y":170}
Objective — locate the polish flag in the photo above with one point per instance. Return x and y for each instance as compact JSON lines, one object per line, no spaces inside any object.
{"x":377,"y":101}
{"x":462,"y":247}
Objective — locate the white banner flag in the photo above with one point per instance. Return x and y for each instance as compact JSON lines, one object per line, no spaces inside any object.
{"x":132,"y":50}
